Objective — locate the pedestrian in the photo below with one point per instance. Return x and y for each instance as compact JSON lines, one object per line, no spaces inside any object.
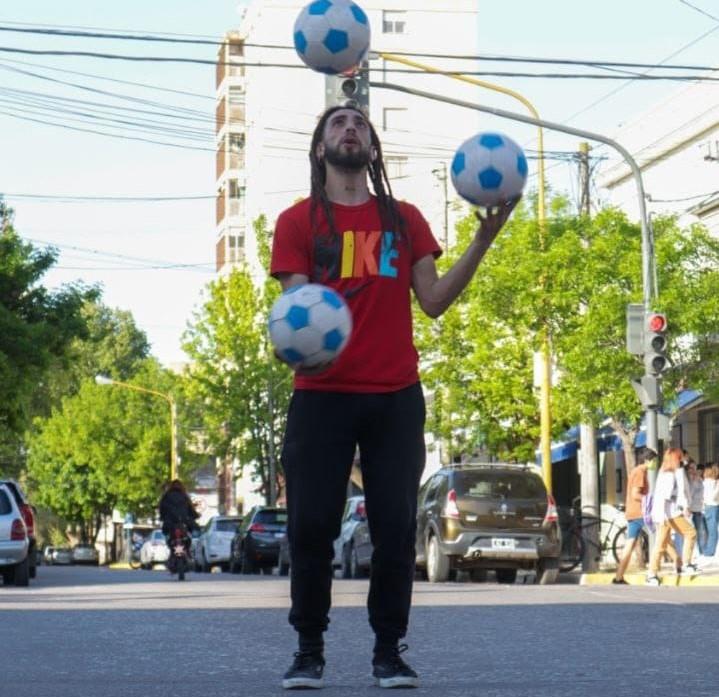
{"x":696,"y":504}
{"x":711,"y":514}
{"x":372,"y":249}
{"x":637,"y":489}
{"x":670,"y":512}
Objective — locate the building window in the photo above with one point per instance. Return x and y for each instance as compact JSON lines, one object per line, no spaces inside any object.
{"x":236,"y":191}
{"x":393,"y":22}
{"x":396,"y":166}
{"x":237,"y":142}
{"x":393,"y":117}
{"x":709,"y":435}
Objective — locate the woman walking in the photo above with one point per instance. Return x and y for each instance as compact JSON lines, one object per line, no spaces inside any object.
{"x":671,"y":512}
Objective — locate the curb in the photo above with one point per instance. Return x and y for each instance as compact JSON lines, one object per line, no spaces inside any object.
{"x":638,"y":579}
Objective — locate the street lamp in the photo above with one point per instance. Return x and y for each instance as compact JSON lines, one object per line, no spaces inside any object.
{"x":545,"y":384}
{"x":104,"y":380}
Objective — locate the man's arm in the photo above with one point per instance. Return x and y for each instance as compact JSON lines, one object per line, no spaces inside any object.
{"x":436,"y":294}
{"x":287,"y":280}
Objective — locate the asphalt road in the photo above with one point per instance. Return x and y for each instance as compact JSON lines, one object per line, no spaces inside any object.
{"x":86,"y":632}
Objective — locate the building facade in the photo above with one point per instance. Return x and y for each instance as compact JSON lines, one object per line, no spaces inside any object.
{"x":268,"y":103}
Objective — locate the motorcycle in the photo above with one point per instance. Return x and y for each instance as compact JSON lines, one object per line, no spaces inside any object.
{"x":179,"y":561}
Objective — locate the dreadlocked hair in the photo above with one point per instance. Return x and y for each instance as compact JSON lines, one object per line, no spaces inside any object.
{"x":388,"y":209}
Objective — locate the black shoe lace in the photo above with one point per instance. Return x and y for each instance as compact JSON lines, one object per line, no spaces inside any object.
{"x":305,"y":659}
{"x":393,"y":657}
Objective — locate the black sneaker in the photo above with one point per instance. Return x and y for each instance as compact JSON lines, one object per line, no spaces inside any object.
{"x":305,"y":671}
{"x":619,"y":582}
{"x":389,"y":670}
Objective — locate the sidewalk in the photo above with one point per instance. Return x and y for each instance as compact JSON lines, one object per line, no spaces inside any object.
{"x":708,"y":577}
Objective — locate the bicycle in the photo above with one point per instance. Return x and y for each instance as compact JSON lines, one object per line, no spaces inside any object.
{"x":575,"y":539}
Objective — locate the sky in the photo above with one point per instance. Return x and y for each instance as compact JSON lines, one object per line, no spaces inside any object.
{"x":154,"y":258}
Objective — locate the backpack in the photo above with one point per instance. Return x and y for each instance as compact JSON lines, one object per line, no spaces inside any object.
{"x":647,"y":503}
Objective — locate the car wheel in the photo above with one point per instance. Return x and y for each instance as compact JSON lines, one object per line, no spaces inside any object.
{"x":346,"y":566}
{"x":234,"y":566}
{"x":206,"y":567}
{"x":356,"y":570}
{"x":437,"y":563}
{"x":547,"y":571}
{"x":478,"y":575}
{"x":267,"y":570}
{"x":22,"y":573}
{"x":506,"y":575}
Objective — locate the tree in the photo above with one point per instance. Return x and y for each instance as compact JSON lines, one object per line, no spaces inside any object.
{"x":243,"y":388}
{"x":479,"y":354}
{"x":36,"y":328}
{"x":105,"y":448}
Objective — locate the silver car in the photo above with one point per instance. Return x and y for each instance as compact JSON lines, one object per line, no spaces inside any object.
{"x":85,"y":554}
{"x":345,"y":545}
{"x":14,"y":542}
{"x":213,"y":546}
{"x":154,"y":550}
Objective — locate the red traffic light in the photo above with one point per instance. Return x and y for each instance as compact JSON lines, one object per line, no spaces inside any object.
{"x":657,"y":322}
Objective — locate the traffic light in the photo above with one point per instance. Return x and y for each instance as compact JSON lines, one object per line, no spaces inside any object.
{"x":349,"y":89}
{"x":655,"y":343}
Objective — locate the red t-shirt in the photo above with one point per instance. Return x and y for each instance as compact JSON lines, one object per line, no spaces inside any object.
{"x":371,"y":269}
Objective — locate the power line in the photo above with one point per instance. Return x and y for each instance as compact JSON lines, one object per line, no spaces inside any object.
{"x":109,"y":199}
{"x":480,"y":73}
{"x":94,"y":76}
{"x":158,"y":38}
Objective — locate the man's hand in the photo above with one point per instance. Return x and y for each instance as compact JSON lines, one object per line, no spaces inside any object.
{"x":493,"y":221}
{"x":304,"y":371}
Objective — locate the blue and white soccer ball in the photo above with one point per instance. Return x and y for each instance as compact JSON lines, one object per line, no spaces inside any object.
{"x":489,"y":169}
{"x":310,"y":324}
{"x":332,"y":36}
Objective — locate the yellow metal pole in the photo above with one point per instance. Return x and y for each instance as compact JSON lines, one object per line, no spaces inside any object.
{"x":545,"y":392}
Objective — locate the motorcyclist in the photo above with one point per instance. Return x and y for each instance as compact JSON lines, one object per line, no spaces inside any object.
{"x":176,"y":509}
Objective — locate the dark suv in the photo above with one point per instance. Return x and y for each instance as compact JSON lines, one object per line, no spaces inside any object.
{"x":28,"y":513}
{"x":256,"y":544}
{"x":487,"y":516}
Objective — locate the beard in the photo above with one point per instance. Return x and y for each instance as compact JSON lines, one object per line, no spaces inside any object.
{"x":348,"y":160}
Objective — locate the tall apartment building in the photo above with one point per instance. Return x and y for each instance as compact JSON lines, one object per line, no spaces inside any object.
{"x":266,"y":114}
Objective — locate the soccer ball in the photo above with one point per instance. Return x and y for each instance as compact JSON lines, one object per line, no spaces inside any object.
{"x":489,"y":169}
{"x":332,"y":36}
{"x":310,"y":324}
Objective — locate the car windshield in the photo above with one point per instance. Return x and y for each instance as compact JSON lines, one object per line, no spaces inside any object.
{"x":227,"y":525}
{"x":271,"y":517}
{"x":491,"y":484}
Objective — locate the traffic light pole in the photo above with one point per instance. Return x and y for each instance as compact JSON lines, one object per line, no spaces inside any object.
{"x":648,"y":284}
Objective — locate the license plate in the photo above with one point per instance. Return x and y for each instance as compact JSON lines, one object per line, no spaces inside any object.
{"x":279,"y":534}
{"x":503,"y":543}
{"x":179,"y":550}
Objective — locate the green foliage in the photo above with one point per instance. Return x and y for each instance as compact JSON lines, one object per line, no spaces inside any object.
{"x":106,"y":447}
{"x":36,"y":328}
{"x":244,"y":390}
{"x":573,"y":289}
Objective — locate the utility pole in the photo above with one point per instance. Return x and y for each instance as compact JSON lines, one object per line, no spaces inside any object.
{"x":588,"y":462}
{"x":441,"y":173}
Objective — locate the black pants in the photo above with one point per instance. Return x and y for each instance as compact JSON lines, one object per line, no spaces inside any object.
{"x":323,"y":431}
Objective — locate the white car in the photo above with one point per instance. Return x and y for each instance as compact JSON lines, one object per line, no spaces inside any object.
{"x":213,"y":545}
{"x":354,"y":513}
{"x":154,"y":550}
{"x":14,"y":542}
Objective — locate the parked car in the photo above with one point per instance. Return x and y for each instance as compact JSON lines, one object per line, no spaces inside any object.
{"x":28,"y":515}
{"x":213,"y":545}
{"x":14,"y":541}
{"x":256,"y":544}
{"x":353,"y":548}
{"x":487,"y":516}
{"x":47,"y":554}
{"x":154,"y":550}
{"x":85,"y":554}
{"x":353,"y":515}
{"x":62,"y":555}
